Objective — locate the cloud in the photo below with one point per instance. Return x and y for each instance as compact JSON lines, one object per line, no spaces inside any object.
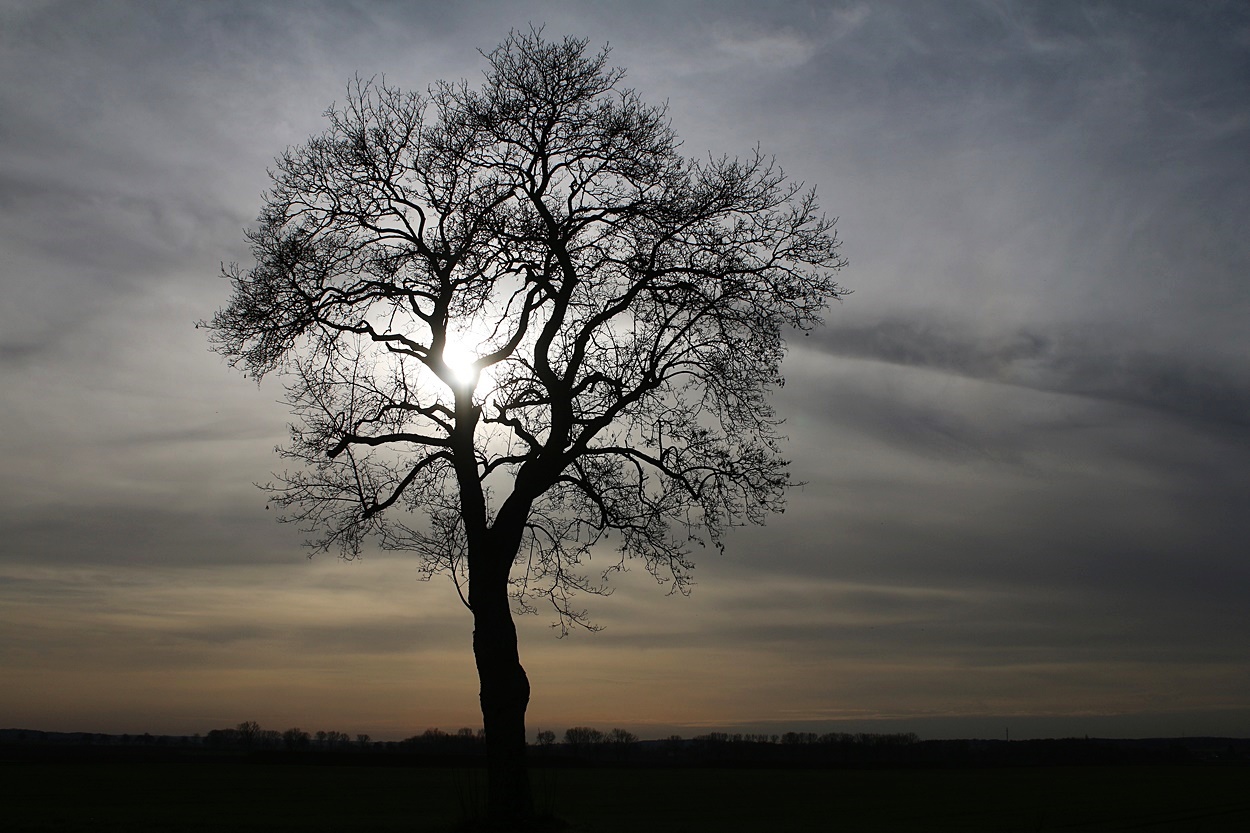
{"x":1073,"y":362}
{"x":786,"y":49}
{"x":17,"y":352}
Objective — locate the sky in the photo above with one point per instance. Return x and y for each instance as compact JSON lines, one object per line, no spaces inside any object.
{"x":1024,"y":438}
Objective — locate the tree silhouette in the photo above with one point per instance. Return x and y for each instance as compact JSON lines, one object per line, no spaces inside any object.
{"x":249,"y":732}
{"x":518,"y":327}
{"x":296,"y":738}
{"x":581,"y":738}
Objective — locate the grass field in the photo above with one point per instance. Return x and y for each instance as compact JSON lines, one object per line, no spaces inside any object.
{"x":202,"y":797}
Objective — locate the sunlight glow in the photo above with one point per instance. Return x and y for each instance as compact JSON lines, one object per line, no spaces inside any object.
{"x":459,"y":357}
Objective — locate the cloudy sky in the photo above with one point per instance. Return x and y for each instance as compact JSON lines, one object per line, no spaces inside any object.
{"x":1025,"y":437}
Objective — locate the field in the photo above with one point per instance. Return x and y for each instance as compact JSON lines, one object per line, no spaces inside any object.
{"x":201,"y":797}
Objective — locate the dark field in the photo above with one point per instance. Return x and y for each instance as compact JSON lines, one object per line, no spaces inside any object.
{"x":202,"y":796}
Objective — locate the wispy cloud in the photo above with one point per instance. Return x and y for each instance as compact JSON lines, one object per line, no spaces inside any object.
{"x":1084,"y":364}
{"x":785,"y":48}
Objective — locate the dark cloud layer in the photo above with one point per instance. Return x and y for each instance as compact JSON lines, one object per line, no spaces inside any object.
{"x":1194,"y":387}
{"x":1023,"y":437}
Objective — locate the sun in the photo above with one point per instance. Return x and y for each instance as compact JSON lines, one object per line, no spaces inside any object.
{"x":467,"y":342}
{"x":460,"y":356}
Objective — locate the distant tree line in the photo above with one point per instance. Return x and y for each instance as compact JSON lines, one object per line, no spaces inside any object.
{"x":585,"y":745}
{"x":250,"y":735}
{"x":577,"y":740}
{"x":464,"y":739}
{"x":795,"y":747}
{"x":866,"y":739}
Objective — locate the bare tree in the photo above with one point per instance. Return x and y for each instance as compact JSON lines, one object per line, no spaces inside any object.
{"x":583,"y":736}
{"x":623,"y":742}
{"x":248,"y":733}
{"x":519,"y":328}
{"x":296,"y":738}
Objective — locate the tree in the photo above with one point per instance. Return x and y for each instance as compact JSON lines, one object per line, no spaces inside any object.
{"x":582,"y":737}
{"x":248,"y":733}
{"x":519,"y":329}
{"x":623,"y":742}
{"x":296,"y":738}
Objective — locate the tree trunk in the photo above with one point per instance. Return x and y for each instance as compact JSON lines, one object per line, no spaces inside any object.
{"x":505,"y":695}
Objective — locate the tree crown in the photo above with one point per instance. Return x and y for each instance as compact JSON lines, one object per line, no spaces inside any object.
{"x":520,"y":314}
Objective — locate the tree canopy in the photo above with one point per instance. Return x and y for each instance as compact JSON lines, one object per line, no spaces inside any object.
{"x":622,"y":310}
